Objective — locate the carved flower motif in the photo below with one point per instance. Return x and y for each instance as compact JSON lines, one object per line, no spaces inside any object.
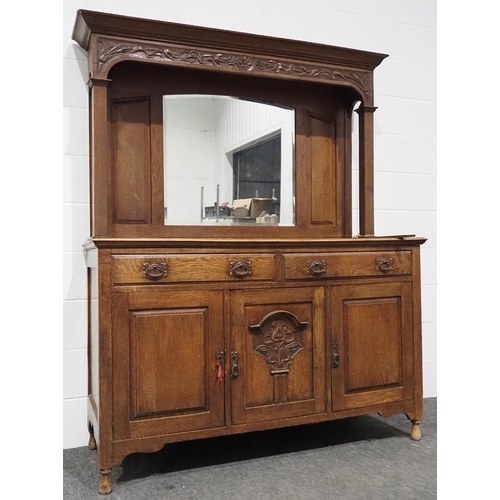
{"x":232,"y":61}
{"x":279,"y":345}
{"x":245,"y":62}
{"x":279,"y":332}
{"x":260,"y":65}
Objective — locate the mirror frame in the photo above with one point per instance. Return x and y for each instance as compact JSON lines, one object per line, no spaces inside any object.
{"x":112,"y":41}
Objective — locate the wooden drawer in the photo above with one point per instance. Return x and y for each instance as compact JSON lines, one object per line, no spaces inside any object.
{"x":346,"y":264}
{"x":169,"y":268}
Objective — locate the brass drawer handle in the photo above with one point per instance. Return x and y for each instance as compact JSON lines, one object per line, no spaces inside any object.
{"x":240,"y":269}
{"x":385,"y":265}
{"x":316,"y":268}
{"x":154,"y":271}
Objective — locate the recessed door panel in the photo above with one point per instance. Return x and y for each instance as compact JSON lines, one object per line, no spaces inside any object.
{"x":373,"y":338}
{"x":373,"y":343}
{"x":277,"y":343}
{"x":168,"y":342}
{"x":132,"y":160}
{"x":165,"y":357}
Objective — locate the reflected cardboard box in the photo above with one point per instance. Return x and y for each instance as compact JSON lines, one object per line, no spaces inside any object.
{"x":265,"y":218}
{"x":251,"y":207}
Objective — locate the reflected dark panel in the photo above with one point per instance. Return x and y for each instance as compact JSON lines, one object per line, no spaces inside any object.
{"x":257,"y":170}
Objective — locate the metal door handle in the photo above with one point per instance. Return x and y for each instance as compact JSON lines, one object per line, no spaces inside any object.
{"x":234,"y":365}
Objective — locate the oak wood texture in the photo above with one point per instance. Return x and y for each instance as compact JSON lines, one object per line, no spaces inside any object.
{"x":298,"y":265}
{"x":193,"y":268}
{"x":164,"y":362}
{"x":132,"y":160}
{"x":281,"y":364}
{"x":197,"y":332}
{"x":89,"y":23}
{"x":372,"y":325}
{"x":366,"y":171}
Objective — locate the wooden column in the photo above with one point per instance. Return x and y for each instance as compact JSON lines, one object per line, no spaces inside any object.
{"x":366,"y":170}
{"x":100,"y":158}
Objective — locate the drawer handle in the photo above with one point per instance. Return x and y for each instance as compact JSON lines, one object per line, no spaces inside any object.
{"x":316,"y":268}
{"x":240,"y":269}
{"x":385,"y":265}
{"x":154,"y":271}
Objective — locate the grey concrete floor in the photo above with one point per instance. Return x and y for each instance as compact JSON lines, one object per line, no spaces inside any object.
{"x":366,"y":457}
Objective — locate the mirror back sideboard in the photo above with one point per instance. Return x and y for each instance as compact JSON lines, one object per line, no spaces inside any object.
{"x":241,"y":322}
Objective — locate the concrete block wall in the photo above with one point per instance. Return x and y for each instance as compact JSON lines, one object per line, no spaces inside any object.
{"x":405,"y":140}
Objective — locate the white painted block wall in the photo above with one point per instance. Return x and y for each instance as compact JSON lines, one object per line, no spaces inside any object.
{"x":405,"y":140}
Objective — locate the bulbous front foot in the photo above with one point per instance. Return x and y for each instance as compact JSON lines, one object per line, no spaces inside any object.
{"x":105,"y":485}
{"x":416,"y":433}
{"x":92,"y":443}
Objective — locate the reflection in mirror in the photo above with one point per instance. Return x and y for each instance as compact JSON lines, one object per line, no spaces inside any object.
{"x":228,"y":161}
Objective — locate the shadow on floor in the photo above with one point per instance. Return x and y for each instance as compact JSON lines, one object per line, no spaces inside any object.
{"x":215,"y":451}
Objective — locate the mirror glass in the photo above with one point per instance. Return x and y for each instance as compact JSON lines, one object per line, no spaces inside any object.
{"x":228,"y":161}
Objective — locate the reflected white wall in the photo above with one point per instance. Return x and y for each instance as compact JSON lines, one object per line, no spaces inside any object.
{"x":190,"y":156}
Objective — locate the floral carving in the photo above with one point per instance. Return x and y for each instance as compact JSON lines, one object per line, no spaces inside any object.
{"x":279,"y":344}
{"x":245,"y":63}
{"x":110,"y":49}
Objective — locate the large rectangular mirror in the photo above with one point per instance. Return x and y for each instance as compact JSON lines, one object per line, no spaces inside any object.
{"x":228,"y":161}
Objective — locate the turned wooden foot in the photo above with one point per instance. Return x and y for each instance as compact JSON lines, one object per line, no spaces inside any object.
{"x":416,"y":433}
{"x":105,"y":485}
{"x":92,"y":443}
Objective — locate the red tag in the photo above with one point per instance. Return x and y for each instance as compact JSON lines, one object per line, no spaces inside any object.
{"x":219,"y":371}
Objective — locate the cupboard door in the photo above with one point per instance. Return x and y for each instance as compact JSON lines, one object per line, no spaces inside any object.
{"x":165,"y":371}
{"x":277,"y":354}
{"x":371,"y":344}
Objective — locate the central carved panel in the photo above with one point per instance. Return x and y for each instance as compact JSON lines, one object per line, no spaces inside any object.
{"x":277,"y":341}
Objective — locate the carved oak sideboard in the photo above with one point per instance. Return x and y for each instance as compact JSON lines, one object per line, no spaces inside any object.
{"x":227,"y":293}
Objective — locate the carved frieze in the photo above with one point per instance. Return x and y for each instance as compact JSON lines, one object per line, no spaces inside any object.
{"x":110,"y":50}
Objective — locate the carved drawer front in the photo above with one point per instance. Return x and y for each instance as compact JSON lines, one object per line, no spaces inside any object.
{"x":346,"y":264}
{"x":170,"y":268}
